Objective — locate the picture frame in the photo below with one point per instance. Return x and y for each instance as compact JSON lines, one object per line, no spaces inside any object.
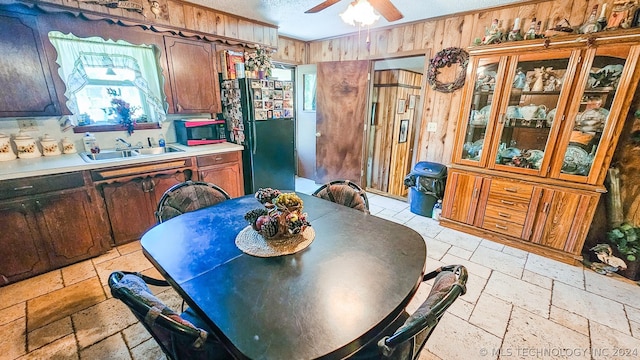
{"x":402,"y":105}
{"x":412,"y":101}
{"x":404,"y":129}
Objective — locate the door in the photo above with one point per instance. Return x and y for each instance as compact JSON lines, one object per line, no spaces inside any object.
{"x":341,"y":111}
{"x":306,"y":77}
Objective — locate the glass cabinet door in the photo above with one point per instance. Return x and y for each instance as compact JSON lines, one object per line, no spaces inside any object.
{"x":595,"y":106}
{"x":537,"y":88}
{"x":476,"y":121}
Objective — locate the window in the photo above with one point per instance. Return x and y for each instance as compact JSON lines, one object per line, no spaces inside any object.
{"x":97,"y":71}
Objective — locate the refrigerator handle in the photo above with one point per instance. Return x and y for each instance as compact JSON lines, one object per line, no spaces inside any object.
{"x":255,"y":140}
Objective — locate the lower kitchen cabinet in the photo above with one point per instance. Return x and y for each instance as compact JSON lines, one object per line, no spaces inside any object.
{"x":547,"y":219}
{"x":131,"y":203}
{"x":224,"y":170}
{"x":23,"y":253}
{"x":45,"y":231}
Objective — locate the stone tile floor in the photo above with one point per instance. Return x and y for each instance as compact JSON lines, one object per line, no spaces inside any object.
{"x":518,"y":305}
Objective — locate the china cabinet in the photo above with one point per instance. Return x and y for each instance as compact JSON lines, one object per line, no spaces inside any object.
{"x":538,"y":126}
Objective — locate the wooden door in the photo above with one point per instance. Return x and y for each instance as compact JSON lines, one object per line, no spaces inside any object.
{"x":193,"y":76}
{"x":462,"y":197}
{"x":22,"y":252}
{"x":70,"y":227}
{"x":563,"y":219}
{"x":27,"y":88}
{"x":227,"y":176}
{"x":306,"y":77}
{"x":131,"y":209}
{"x":340,"y":119}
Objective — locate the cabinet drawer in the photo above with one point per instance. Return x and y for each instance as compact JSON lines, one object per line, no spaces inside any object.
{"x":41,"y":184}
{"x":507,"y":214}
{"x":215,"y":159}
{"x":510,"y":189}
{"x":511,"y":204}
{"x":503,"y":227}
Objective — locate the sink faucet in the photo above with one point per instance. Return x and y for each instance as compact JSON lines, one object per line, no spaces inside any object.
{"x":127,"y":144}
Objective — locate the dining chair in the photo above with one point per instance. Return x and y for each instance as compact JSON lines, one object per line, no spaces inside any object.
{"x":188,"y":196}
{"x":406,"y":341}
{"x":180,"y":336}
{"x":344,"y":192}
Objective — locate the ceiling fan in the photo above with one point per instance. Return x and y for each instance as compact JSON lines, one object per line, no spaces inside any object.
{"x":384,"y":7}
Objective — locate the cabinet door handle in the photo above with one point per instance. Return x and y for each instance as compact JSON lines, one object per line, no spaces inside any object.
{"x":26,"y":187}
{"x":153,"y":185}
{"x":218,"y":159}
{"x":546,"y":207}
{"x":504,"y":215}
{"x":501,"y":227}
{"x":507,"y":202}
{"x":475,"y":193}
{"x":38,"y":205}
{"x":513,"y":190}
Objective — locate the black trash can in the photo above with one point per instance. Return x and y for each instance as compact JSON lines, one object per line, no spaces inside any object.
{"x":426,"y":184}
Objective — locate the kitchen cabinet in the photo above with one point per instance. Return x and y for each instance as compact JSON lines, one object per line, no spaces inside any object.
{"x":49,"y":222}
{"x":224,"y":170}
{"x":132,"y":193}
{"x":27,"y":86}
{"x":538,"y":126}
{"x":193,"y":76}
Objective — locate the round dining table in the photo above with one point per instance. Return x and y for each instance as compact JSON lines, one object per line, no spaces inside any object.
{"x":323,"y":302}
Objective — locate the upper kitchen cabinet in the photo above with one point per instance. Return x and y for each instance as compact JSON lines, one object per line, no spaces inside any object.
{"x":27,"y":87}
{"x":193,"y":76}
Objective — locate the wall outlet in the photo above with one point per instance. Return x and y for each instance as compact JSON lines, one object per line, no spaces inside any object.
{"x":432,"y":126}
{"x":28,"y":124}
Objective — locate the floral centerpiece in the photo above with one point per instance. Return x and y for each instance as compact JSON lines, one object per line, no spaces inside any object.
{"x":123,"y":110}
{"x":281,"y":217}
{"x":259,"y":60}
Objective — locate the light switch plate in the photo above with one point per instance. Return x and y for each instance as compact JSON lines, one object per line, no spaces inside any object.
{"x":28,"y":124}
{"x":432,"y":126}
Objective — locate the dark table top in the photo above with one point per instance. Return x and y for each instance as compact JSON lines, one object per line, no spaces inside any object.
{"x":325,"y":301}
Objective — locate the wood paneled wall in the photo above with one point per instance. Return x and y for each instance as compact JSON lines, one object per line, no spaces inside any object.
{"x":291,"y":51}
{"x":182,"y":15}
{"x":435,"y":35}
{"x":390,"y":158}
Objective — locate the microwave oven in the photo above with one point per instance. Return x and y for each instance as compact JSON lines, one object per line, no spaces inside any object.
{"x":200,"y":131}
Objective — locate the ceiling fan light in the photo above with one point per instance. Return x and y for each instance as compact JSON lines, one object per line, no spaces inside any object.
{"x":359,"y":13}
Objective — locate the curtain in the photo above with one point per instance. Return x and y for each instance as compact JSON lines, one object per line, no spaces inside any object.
{"x":74,"y":54}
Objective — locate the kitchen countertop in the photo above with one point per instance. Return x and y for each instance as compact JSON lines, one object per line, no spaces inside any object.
{"x":48,"y":165}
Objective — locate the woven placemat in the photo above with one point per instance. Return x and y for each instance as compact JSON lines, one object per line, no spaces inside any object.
{"x":252,"y":243}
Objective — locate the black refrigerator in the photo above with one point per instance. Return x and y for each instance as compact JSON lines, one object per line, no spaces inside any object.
{"x":259,"y":115}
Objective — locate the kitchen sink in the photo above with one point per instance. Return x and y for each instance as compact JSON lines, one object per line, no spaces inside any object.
{"x":108,"y":155}
{"x":127,"y":153}
{"x":158,"y":150}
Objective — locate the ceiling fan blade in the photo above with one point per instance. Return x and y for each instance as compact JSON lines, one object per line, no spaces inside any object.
{"x":321,"y":6}
{"x":387,"y":9}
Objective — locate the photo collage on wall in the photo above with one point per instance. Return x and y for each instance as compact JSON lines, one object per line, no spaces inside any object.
{"x":232,"y":110}
{"x":272,"y":99}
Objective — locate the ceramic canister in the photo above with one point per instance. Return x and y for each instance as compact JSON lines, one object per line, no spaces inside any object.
{"x":49,"y":146}
{"x":26,"y":146}
{"x":6,"y":152}
{"x":68,"y":147}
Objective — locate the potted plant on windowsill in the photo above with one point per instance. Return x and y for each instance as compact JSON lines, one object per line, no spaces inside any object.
{"x":626,"y":245}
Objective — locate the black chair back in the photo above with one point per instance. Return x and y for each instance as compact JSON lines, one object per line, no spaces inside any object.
{"x":179,"y":336}
{"x":344,"y":192}
{"x":188,"y":196}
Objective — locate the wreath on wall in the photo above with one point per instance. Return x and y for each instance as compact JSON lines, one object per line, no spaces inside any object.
{"x":448,"y":57}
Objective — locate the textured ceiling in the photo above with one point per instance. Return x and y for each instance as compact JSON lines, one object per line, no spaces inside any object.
{"x":291,"y":20}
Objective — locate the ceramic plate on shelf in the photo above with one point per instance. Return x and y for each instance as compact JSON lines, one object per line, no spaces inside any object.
{"x":486,"y":111}
{"x":576,"y":160}
{"x":592,"y":117}
{"x":550,"y":116}
{"x":535,"y":157}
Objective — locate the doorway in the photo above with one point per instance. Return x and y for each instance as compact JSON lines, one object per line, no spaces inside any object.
{"x":394,"y":122}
